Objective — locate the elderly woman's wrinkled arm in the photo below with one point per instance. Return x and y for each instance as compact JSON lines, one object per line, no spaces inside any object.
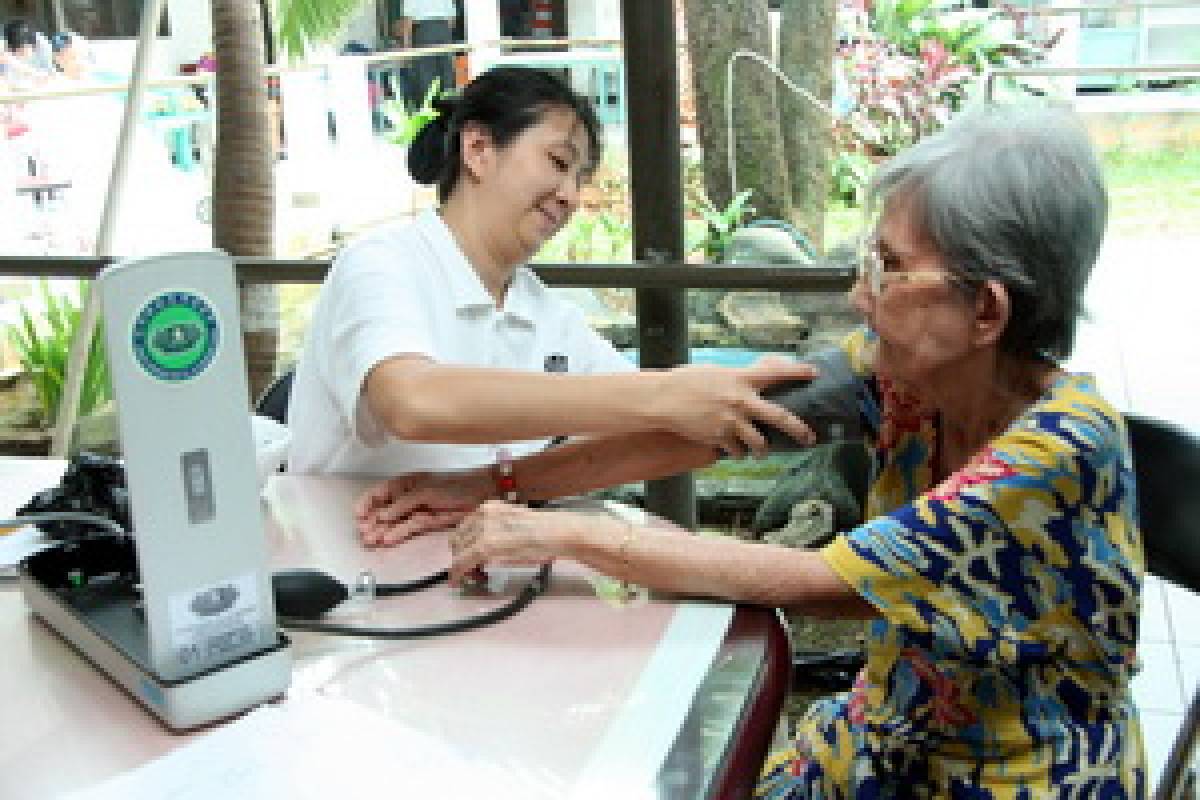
{"x":660,"y":557}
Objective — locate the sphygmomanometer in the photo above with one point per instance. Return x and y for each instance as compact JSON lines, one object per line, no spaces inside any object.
{"x":88,"y":514}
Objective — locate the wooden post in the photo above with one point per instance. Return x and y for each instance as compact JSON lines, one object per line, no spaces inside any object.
{"x":656,"y":196}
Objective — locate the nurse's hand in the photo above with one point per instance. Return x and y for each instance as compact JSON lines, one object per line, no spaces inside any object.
{"x":410,"y":505}
{"x":718,"y":406}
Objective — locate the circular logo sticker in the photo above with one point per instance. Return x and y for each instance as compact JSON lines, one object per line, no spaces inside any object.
{"x":175,"y":336}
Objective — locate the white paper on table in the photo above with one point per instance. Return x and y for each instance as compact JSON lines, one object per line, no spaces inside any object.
{"x":313,"y":747}
{"x":21,"y":543}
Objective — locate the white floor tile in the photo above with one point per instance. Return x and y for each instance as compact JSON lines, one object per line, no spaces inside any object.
{"x":1153,"y":625}
{"x":1183,"y":612}
{"x":1189,"y":667}
{"x":1158,"y":732}
{"x":1156,"y":687}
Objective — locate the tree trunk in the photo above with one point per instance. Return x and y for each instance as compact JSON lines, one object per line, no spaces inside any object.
{"x":806,"y":45}
{"x":716,"y":28}
{"x":243,"y":178}
{"x":709,"y":37}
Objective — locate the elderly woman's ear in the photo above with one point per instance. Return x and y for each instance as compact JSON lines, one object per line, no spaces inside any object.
{"x":993,"y":309}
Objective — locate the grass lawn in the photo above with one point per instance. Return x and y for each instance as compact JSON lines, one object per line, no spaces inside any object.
{"x":1153,"y":192}
{"x":1156,"y":192}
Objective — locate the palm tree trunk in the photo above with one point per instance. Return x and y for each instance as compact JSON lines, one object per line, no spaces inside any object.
{"x":243,"y":178}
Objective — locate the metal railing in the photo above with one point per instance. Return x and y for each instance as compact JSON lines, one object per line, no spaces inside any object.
{"x":384,"y":56}
{"x":663,"y":496}
{"x":1057,"y":11}
{"x":820,"y":278}
{"x":1169,"y":70}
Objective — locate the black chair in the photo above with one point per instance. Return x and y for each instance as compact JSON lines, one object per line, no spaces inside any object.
{"x":274,"y":401}
{"x":1166,"y":464}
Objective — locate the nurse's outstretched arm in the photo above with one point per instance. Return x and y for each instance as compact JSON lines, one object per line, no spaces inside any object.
{"x":419,"y":400}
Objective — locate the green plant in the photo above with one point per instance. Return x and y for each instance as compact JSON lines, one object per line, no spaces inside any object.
{"x":405,"y":125}
{"x":908,"y":66}
{"x":722,"y":222}
{"x":42,"y":345}
{"x":617,"y":237}
{"x":976,"y":38}
{"x":851,"y":174}
{"x":303,"y":23}
{"x":601,"y":236}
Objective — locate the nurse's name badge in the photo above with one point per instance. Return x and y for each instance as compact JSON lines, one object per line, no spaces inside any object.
{"x":175,"y":336}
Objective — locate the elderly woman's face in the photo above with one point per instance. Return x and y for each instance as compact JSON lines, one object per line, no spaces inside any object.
{"x":919,"y":312}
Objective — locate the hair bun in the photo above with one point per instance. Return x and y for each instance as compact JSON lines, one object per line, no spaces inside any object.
{"x":446,"y":103}
{"x":428,"y":151}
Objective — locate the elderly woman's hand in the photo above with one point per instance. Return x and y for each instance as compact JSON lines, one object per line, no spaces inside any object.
{"x":501,"y":533}
{"x":410,"y":505}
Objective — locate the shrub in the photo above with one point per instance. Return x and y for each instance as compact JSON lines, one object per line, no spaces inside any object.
{"x":908,"y":67}
{"x":43,"y":344}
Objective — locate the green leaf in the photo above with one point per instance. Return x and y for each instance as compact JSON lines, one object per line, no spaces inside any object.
{"x":43,"y":346}
{"x":303,"y":23}
{"x":407,"y":125}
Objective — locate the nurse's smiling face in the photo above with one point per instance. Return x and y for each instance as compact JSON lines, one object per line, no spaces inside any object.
{"x":531,"y":185}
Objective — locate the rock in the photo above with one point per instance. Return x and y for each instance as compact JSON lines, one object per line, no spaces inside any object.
{"x":765,"y":245}
{"x":762,"y":320}
{"x":615,"y":324}
{"x":834,"y":474}
{"x":810,"y":526}
{"x":35,"y":443}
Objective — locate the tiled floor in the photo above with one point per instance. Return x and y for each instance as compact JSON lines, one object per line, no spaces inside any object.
{"x":1170,"y":653}
{"x":1140,"y":344}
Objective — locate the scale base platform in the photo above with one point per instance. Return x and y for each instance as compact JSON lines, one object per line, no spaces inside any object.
{"x":108,"y":629}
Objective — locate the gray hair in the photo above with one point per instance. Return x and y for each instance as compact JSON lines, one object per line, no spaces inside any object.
{"x":1011,"y":193}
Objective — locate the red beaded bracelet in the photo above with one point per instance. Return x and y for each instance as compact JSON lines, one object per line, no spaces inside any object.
{"x":506,"y":484}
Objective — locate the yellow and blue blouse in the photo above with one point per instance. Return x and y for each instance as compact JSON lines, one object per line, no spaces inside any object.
{"x":1008,"y":597}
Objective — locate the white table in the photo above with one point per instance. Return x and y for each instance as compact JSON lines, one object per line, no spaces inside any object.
{"x":571,"y":685}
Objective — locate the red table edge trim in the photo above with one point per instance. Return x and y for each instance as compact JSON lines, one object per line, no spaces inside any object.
{"x":740,"y":768}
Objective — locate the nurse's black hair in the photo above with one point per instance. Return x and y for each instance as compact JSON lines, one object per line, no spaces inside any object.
{"x":505,"y":101}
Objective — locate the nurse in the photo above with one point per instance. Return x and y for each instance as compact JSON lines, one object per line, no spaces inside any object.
{"x":433,"y":346}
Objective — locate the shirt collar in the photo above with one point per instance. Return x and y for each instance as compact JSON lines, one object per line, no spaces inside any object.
{"x":521,"y":301}
{"x":468,"y":293}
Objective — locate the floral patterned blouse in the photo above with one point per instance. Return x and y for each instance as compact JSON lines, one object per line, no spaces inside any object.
{"x":1008,"y":598}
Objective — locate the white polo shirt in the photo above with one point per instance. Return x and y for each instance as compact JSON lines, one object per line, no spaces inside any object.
{"x":408,"y":289}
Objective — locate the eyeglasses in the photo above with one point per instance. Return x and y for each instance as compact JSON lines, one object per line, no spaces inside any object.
{"x":875,"y":278}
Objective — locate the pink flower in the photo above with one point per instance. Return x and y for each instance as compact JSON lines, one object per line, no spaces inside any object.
{"x":934,"y":54}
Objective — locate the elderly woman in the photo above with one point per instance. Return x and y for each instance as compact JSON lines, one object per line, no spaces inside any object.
{"x":1001,"y":563}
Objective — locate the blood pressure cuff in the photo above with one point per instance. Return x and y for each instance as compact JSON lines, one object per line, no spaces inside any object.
{"x":831,"y":403}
